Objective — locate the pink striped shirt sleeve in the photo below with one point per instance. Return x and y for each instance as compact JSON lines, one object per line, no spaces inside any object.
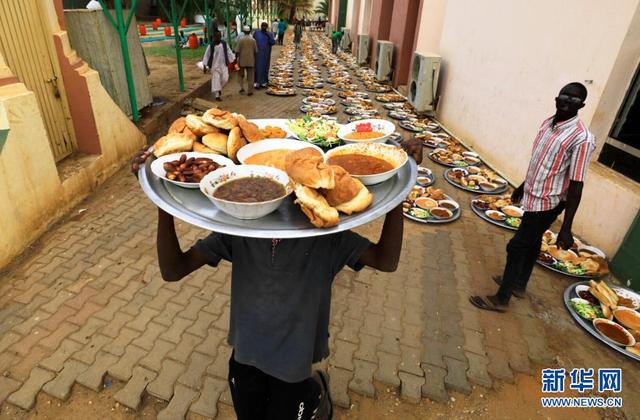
{"x":580,"y":160}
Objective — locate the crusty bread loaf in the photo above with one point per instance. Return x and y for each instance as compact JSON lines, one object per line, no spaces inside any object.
{"x":172,"y":143}
{"x":198,"y":126}
{"x":345,"y":187}
{"x":315,"y":207}
{"x":178,"y":125}
{"x":199,"y":147}
{"x":361,"y":201}
{"x":216,"y":141}
{"x":220,"y":119}
{"x":234,"y":143}
{"x":250,"y":131}
{"x":306,"y":166}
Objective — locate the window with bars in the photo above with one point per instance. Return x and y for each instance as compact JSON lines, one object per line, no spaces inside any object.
{"x":621,"y":151}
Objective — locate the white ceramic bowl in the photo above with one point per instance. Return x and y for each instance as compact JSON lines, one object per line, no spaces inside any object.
{"x":518,"y":212}
{"x":496,"y":212}
{"x":631,"y":340}
{"x":158,"y":170}
{"x":251,"y":149}
{"x":245,"y":211}
{"x":383,"y":126}
{"x":392,"y":154}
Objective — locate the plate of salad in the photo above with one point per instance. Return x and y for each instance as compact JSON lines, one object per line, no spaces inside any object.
{"x":322,"y":132}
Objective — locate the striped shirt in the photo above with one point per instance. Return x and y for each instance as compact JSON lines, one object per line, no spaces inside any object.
{"x":560,"y":155}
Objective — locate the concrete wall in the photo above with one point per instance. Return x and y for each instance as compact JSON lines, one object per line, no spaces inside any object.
{"x":34,"y":191}
{"x":403,"y":33}
{"x":429,"y":29}
{"x":505,"y":61}
{"x":97,"y":42}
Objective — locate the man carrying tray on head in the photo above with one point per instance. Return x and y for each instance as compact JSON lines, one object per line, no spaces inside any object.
{"x":280,"y":305}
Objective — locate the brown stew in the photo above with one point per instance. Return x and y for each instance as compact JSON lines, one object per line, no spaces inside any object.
{"x":357,"y":164}
{"x":250,"y":190}
{"x":613,"y":332}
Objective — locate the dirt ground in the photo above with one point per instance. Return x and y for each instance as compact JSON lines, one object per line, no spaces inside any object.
{"x":500,"y":403}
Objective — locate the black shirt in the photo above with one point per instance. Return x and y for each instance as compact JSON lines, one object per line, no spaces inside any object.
{"x":281,"y":297}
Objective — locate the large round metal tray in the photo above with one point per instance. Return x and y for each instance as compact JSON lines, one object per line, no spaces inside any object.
{"x":564,"y":273}
{"x":569,"y":293}
{"x":497,"y":191}
{"x":482,"y":215}
{"x":288,"y":221}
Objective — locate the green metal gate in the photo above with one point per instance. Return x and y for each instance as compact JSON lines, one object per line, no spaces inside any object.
{"x":342,"y":14}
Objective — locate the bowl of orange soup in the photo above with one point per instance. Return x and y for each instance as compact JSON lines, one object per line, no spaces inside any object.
{"x":371,"y":163}
{"x":367,"y":131}
{"x":272,"y":152}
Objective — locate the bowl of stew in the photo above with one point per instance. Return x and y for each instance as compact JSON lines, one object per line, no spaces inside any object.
{"x":367,"y":130}
{"x":246,"y":191}
{"x":371,"y":163}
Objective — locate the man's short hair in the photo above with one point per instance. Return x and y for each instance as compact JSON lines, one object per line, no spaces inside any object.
{"x":578,"y":88}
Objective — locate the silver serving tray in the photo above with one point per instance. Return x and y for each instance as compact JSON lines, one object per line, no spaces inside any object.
{"x":191,"y":206}
{"x":569,"y":293}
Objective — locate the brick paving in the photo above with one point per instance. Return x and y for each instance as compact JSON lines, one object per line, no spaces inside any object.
{"x":87,"y":303}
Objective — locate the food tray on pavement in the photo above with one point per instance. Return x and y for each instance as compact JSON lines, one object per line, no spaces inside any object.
{"x":482,"y":213}
{"x":422,"y":202}
{"x":193,"y":207}
{"x":475,"y":188}
{"x":570,"y":293}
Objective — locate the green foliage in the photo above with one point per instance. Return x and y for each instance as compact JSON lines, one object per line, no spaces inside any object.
{"x":169,"y":51}
{"x":323,"y":8}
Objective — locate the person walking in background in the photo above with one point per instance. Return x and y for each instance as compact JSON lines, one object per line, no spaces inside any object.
{"x":246,"y":50}
{"x":336,"y":37}
{"x":264,"y":41}
{"x":274,"y":29}
{"x":282,"y":28}
{"x":553,"y":183}
{"x":217,"y":59}
{"x":297,"y":34}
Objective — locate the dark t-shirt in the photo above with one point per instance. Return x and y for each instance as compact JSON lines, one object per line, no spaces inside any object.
{"x":280,"y":302}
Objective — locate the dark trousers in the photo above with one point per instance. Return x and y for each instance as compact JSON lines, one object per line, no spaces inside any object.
{"x":280,"y":38}
{"x":523,"y":250}
{"x":258,"y":396}
{"x":334,"y":45}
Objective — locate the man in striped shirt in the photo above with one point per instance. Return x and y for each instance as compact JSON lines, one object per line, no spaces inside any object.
{"x":553,"y":183}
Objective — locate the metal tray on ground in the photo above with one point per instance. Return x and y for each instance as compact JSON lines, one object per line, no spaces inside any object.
{"x":564,"y":273}
{"x":570,"y":293}
{"x":482,"y":215}
{"x":497,"y":191}
{"x":288,"y":221}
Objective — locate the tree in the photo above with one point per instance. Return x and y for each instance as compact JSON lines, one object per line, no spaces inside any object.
{"x":322,"y":8}
{"x":292,"y":7}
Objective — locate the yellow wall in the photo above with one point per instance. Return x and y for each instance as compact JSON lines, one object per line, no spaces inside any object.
{"x":504,"y":62}
{"x":32,"y":193}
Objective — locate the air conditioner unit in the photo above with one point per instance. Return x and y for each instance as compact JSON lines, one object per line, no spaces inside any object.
{"x":424,"y":82}
{"x":345,"y":43}
{"x":384,"y":61}
{"x":363,"y":49}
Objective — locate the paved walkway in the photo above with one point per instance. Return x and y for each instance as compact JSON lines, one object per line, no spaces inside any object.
{"x":88,"y":303}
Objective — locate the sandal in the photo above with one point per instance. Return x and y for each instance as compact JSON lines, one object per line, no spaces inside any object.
{"x":486,"y":304}
{"x":520,"y":294}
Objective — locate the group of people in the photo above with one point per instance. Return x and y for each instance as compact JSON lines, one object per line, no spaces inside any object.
{"x":251,"y":56}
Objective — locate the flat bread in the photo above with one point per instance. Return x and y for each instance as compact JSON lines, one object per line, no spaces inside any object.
{"x":220,"y":119}
{"x":345,"y":189}
{"x":360,"y":202}
{"x":315,"y":207}
{"x":199,"y":147}
{"x":178,"y":125}
{"x":198,"y":126}
{"x":172,"y":143}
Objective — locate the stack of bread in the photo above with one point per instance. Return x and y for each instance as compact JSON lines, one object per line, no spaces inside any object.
{"x":216,"y":131}
{"x":324,"y":190}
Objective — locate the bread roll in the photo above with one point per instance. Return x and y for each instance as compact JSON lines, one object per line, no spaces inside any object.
{"x":199,"y":147}
{"x":178,"y":125}
{"x":172,"y":143}
{"x":361,"y":201}
{"x":345,"y":189}
{"x":306,"y":166}
{"x":216,"y":141}
{"x":234,"y":143}
{"x":198,"y":126}
{"x":220,"y":119}
{"x":250,"y":131}
{"x":315,"y":207}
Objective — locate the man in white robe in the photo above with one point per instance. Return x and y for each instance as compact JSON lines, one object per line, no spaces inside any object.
{"x":218,"y":63}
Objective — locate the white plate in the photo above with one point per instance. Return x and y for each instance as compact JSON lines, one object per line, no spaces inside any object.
{"x":158,"y":170}
{"x":251,"y":149}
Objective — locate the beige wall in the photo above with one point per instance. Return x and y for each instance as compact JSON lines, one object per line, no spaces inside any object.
{"x":505,"y":61}
{"x":364,"y":17}
{"x":430,"y":23}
